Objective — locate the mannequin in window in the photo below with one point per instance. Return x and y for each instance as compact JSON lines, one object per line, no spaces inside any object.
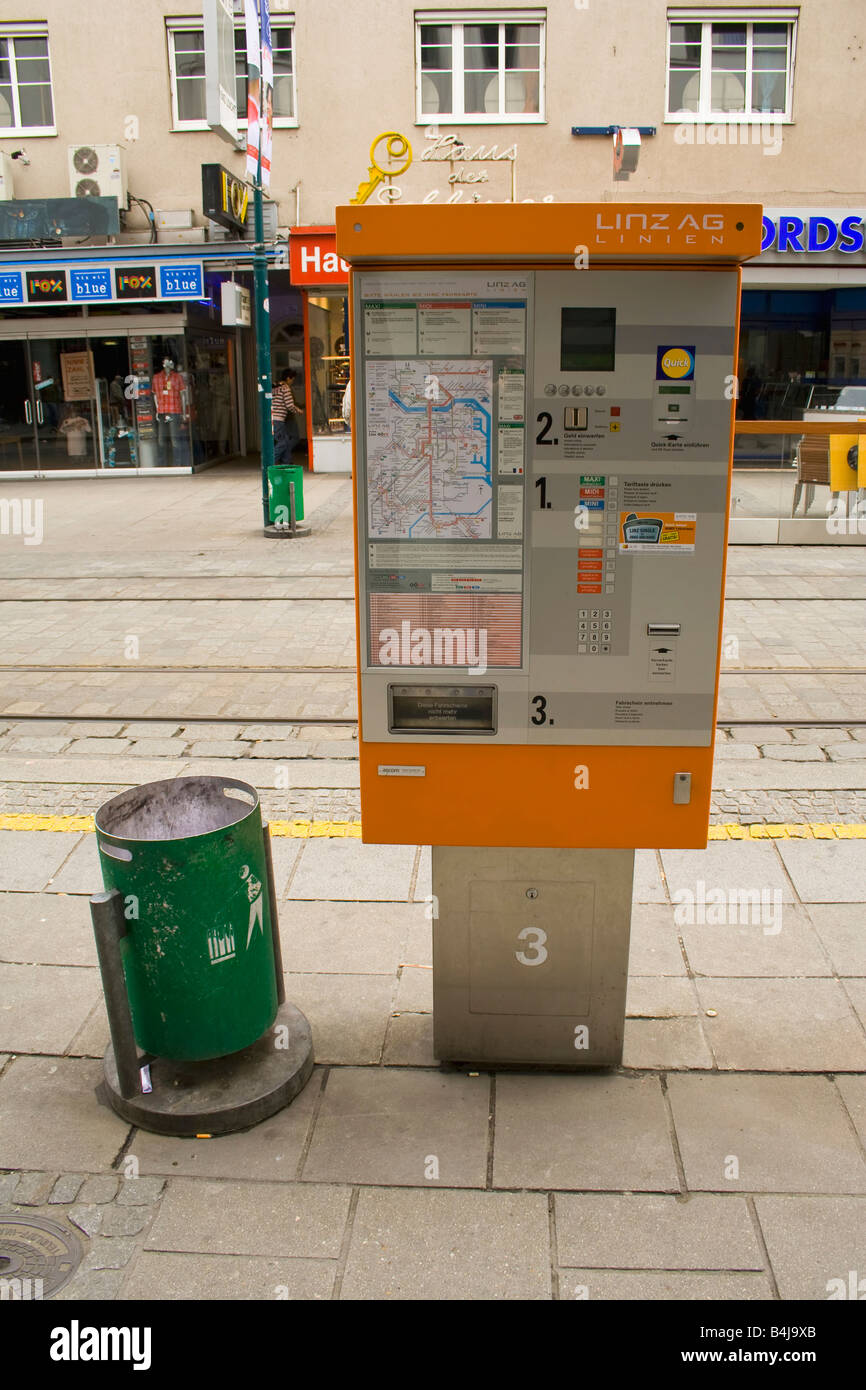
{"x":170,"y":405}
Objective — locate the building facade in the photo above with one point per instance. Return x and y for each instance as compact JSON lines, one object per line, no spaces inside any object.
{"x":492,"y":102}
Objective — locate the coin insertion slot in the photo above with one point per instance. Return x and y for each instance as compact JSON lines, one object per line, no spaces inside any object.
{"x":420,"y":709}
{"x":663,"y":629}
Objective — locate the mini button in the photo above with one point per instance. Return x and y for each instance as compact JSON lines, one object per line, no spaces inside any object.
{"x":600,"y":390}
{"x":550,"y":389}
{"x":577,"y":390}
{"x":564,"y":391}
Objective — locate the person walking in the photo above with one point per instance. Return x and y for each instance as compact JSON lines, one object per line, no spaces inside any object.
{"x":284,"y":413}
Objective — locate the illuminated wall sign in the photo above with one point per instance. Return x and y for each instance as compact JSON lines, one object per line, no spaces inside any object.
{"x":811,"y":231}
{"x":90,"y":285}
{"x":224,"y":197}
{"x":46,"y":286}
{"x":105,"y":282}
{"x":181,"y":281}
{"x":135,"y":282}
{"x":313,"y":258}
{"x":11,"y":291}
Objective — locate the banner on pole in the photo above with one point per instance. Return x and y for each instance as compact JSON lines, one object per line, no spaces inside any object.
{"x":267,"y":112}
{"x":254,"y":84}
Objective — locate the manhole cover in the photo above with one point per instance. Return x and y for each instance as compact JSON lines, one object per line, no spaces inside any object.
{"x":32,"y":1249}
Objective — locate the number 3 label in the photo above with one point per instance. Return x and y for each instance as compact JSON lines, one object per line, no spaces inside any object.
{"x":536,"y":939}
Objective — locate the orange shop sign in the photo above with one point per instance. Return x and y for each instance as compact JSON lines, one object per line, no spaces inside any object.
{"x":313,"y":257}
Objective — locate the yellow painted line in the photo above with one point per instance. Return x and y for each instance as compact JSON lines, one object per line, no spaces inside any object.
{"x":351,"y":829}
{"x":808,"y":830}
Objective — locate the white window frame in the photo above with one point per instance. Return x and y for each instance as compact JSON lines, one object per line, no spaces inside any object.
{"x":32,"y":30}
{"x":707,"y":17}
{"x":455,"y":20}
{"x":189,"y":23}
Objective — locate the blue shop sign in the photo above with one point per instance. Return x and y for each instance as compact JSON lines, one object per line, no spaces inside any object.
{"x":11,"y":291}
{"x":808,"y":230}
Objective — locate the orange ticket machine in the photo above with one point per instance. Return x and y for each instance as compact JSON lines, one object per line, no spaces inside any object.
{"x":543,"y":403}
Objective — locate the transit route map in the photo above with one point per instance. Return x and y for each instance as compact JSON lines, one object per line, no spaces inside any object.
{"x":429,"y":451}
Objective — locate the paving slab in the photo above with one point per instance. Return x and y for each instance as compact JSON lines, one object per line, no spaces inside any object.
{"x":250,"y":1218}
{"x":418,"y":948}
{"x":50,"y":1117}
{"x":648,"y":883}
{"x":781,"y":942}
{"x":348,"y":1014}
{"x":424,"y":879}
{"x":842,"y":929}
{"x":415,"y":990}
{"x":585,"y":1131}
{"x":209,"y":1278}
{"x":827,"y":871}
{"x":660,"y":997}
{"x":392,"y":1127}
{"x":270,"y":1151}
{"x":787,"y":1134}
{"x":609,"y":1231}
{"x":468,"y":1246}
{"x":29,"y":858}
{"x":662,"y":1286}
{"x":81,"y":873}
{"x":47,"y":928}
{"x":654,"y":947}
{"x":773,"y":773}
{"x":665,"y":1044}
{"x":814,"y":1243}
{"x":345,"y":938}
{"x":284,"y":853}
{"x":409,"y":1041}
{"x":42,"y":1007}
{"x":856,"y":992}
{"x":739,"y":864}
{"x":348,"y":870}
{"x":852,"y":1089}
{"x":93,"y":1036}
{"x":780,"y":1025}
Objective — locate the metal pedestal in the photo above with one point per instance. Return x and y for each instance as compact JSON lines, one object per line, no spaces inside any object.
{"x":530,"y":955}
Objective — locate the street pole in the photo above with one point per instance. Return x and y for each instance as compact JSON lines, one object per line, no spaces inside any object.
{"x":263,"y":340}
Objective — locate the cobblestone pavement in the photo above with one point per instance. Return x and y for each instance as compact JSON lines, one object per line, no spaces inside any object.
{"x":762,"y":774}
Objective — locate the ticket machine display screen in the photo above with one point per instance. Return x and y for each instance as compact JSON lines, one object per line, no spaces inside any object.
{"x":542,"y":461}
{"x":588,"y":340}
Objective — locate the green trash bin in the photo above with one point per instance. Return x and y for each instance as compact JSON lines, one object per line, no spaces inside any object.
{"x":188,"y":857}
{"x":279,"y":477}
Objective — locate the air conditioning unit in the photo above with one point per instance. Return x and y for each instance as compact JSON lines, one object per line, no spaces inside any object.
{"x":7,"y":191}
{"x":98,"y":170}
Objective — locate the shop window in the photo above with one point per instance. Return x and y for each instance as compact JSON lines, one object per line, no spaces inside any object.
{"x":26,"y":99}
{"x":329,"y":362}
{"x":730,"y":65}
{"x":479,"y":68}
{"x":187,"y":73}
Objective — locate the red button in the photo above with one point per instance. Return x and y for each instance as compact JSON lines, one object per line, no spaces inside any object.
{"x":614,"y":410}
{"x":589,"y":588}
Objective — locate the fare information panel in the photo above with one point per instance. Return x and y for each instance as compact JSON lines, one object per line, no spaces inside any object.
{"x":543,"y":463}
{"x":444,"y":394}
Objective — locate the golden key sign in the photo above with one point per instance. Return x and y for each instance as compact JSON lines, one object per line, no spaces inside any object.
{"x":397,"y":148}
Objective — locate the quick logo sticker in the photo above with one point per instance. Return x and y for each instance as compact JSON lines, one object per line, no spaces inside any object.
{"x":675,"y":363}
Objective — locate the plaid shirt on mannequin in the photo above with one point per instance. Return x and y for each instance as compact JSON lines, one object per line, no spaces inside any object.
{"x":167,"y":393}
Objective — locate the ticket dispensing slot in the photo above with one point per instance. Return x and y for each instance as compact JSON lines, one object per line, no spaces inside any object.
{"x":663,"y":629}
{"x":422,"y":709}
